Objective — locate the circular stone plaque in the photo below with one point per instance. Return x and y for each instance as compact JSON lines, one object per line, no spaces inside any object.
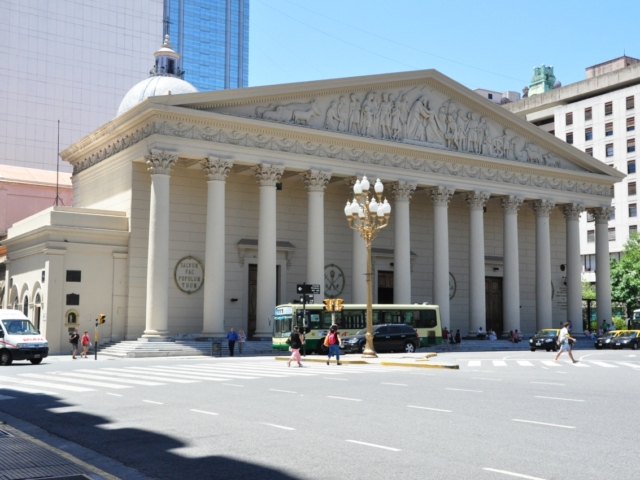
{"x":333,"y":280}
{"x":189,"y":274}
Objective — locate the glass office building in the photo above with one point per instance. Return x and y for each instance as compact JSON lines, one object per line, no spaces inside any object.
{"x":212,"y":37}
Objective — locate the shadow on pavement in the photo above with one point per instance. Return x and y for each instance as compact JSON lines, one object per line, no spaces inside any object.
{"x":147,"y":452}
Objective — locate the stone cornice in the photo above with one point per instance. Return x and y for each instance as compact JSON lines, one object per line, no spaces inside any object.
{"x":297,"y":140}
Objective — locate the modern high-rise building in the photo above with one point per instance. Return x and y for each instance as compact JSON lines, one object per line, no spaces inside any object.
{"x":212,"y":37}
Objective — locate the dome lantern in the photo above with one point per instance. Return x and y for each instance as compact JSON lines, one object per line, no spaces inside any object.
{"x":167,"y":60}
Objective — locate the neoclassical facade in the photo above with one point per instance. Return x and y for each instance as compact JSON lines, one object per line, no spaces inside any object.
{"x":234,"y":197}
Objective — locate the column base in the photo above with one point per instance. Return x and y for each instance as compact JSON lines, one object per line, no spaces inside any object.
{"x":213,"y":335}
{"x":155,"y":336}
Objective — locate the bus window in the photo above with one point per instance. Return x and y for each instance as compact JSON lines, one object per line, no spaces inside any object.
{"x":282,"y":325}
{"x":427,"y":319}
{"x":411,"y":317}
{"x":315,"y":320}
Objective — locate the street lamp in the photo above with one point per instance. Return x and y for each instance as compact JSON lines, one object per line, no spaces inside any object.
{"x":368,"y":217}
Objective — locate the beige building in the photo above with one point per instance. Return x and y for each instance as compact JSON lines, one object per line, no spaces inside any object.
{"x":198,"y":212}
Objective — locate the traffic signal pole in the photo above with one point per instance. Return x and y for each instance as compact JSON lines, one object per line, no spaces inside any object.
{"x":99,"y":321}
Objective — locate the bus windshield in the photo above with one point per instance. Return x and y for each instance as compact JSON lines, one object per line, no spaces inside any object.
{"x":19,"y":327}
{"x":282,"y":325}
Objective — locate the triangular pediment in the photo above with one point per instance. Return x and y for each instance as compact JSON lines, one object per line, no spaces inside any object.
{"x":423,"y":108}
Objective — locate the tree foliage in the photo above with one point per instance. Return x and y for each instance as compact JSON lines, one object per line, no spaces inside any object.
{"x":588,"y":292}
{"x":625,"y":274}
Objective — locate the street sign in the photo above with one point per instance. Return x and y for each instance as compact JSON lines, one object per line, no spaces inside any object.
{"x":308,"y":289}
{"x":315,"y":289}
{"x":307,"y":298}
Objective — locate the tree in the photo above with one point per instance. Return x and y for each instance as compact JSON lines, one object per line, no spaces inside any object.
{"x":588,"y":292}
{"x":625,"y":274}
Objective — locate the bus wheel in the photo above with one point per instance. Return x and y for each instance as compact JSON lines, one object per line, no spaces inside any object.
{"x":321,"y":349}
{"x":409,"y":347}
{"x":5,"y":357}
{"x":36,"y":361}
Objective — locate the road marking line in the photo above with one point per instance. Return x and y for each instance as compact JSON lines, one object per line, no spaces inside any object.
{"x":627,"y":364}
{"x":578,"y":364}
{"x":374,"y":445}
{"x":484,"y":378}
{"x":114,"y":394}
{"x":33,"y":391}
{"x":341,"y":379}
{"x":116,"y":372}
{"x":432,"y":409}
{"x":602,"y":364}
{"x":283,"y":391}
{"x":550,"y":363}
{"x":474,"y":363}
{"x":463,"y":390}
{"x":524,"y":363}
{"x":547,"y":383}
{"x":541,"y":423}
{"x":108,"y":378}
{"x":512,"y":474}
{"x":34,"y":383}
{"x":556,"y":398}
{"x":345,"y":398}
{"x":59,"y":378}
{"x":396,"y":384}
{"x":202,"y":411}
{"x":499,"y":363}
{"x":277,"y":426}
{"x":233,"y":385}
{"x":151,"y":401}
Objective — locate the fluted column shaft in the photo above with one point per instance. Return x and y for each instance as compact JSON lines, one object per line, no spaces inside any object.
{"x":157,"y":312}
{"x":440,"y":197}
{"x":477,"y":295}
{"x":268,"y":176}
{"x":542,"y":209}
{"x":511,"y":280}
{"x":402,"y":192}
{"x":216,"y":171}
{"x":572,"y":213}
{"x":315,"y":182}
{"x":603,"y":273}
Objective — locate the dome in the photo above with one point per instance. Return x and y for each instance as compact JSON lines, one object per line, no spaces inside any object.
{"x":153,"y":87}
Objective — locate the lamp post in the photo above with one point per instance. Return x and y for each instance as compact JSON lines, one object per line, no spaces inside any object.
{"x":368,"y":217}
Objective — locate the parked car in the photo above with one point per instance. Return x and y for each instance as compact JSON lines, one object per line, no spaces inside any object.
{"x":605,"y":340}
{"x":626,"y":339}
{"x":386,"y":338}
{"x":546,"y":338}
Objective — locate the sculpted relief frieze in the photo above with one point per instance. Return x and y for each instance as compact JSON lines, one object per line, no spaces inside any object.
{"x":417,"y":117}
{"x":283,"y":144}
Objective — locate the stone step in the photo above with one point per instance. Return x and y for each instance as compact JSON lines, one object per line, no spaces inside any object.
{"x":135,"y":349}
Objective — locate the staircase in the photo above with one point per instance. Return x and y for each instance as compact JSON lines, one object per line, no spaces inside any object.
{"x":180,"y":348}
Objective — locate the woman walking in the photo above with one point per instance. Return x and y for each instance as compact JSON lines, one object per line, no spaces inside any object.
{"x":241,"y":339}
{"x":86,"y":343}
{"x":295,"y":344}
{"x":334,"y":343}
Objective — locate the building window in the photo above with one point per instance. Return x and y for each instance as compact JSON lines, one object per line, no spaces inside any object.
{"x":633,"y":229}
{"x":609,"y":150}
{"x":612,"y":216}
{"x":632,"y":188}
{"x":589,"y":263}
{"x":591,"y":236}
{"x":73,"y":299}
{"x":630,"y":102}
{"x":570,"y":138}
{"x":490,"y":96}
{"x":633,"y":210}
{"x":612,"y":234}
{"x":589,"y":151}
{"x":631,"y":124}
{"x":608,"y":129}
{"x":587,"y":114}
{"x":631,"y":166}
{"x":74,"y":276}
{"x":608,"y":108}
{"x":25,"y":306}
{"x":588,"y":134}
{"x":569,"y":118}
{"x":631,"y":145}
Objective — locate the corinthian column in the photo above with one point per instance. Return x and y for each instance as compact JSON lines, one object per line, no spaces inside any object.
{"x":542,"y":209}
{"x":216,"y":171}
{"x":268,"y":176}
{"x":315,"y":181}
{"x":160,"y":164}
{"x":440,"y":197}
{"x":511,"y":280}
{"x":402,"y":192}
{"x":358,"y":261}
{"x":603,"y":274}
{"x":477,"y":295}
{"x":572,"y":213}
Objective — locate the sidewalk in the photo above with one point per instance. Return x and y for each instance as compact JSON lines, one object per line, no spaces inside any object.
{"x":499,"y":345}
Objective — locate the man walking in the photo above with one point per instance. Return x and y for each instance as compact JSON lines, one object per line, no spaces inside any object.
{"x":74,"y":338}
{"x":563,"y":339}
{"x":232,"y":338}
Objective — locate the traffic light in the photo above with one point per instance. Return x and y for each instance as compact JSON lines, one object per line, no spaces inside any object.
{"x":328,"y":304}
{"x":338,"y":304}
{"x":102,"y":318}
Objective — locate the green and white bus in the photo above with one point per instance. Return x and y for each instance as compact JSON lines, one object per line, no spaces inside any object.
{"x":424,"y":318}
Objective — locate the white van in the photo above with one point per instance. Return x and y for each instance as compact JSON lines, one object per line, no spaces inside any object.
{"x":19,"y":340}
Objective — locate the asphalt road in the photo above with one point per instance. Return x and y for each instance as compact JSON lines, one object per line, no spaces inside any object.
{"x":502,"y":415}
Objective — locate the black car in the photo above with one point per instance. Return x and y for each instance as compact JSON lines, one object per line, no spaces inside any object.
{"x":606,"y":340}
{"x":386,"y":338}
{"x":546,"y":338}
{"x":626,"y":339}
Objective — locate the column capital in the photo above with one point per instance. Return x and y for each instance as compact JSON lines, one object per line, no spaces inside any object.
{"x":402,"y":191}
{"x":511,"y":203}
{"x":572,"y":211}
{"x":602,"y":214}
{"x":543,"y":208}
{"x":316,"y":180}
{"x":267,"y":174}
{"x":441,"y":195}
{"x":477,"y":199}
{"x":216,"y":168}
{"x":160,"y":162}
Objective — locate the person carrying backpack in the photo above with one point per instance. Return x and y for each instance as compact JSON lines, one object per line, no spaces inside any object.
{"x":334,"y":342}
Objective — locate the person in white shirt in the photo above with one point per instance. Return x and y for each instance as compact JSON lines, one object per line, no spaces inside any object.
{"x":563,"y":339}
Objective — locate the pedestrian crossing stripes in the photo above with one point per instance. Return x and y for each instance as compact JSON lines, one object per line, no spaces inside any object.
{"x":550,"y":363}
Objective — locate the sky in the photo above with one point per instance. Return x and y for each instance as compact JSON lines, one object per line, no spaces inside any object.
{"x":492,"y":44}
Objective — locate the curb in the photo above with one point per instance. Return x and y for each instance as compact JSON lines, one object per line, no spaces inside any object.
{"x":419,"y":365}
{"x":383,"y":363}
{"x":319,"y":360}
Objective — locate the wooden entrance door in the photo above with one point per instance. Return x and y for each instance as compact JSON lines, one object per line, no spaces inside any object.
{"x":493,"y":295}
{"x":252,"y":299}
{"x":385,"y":287}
